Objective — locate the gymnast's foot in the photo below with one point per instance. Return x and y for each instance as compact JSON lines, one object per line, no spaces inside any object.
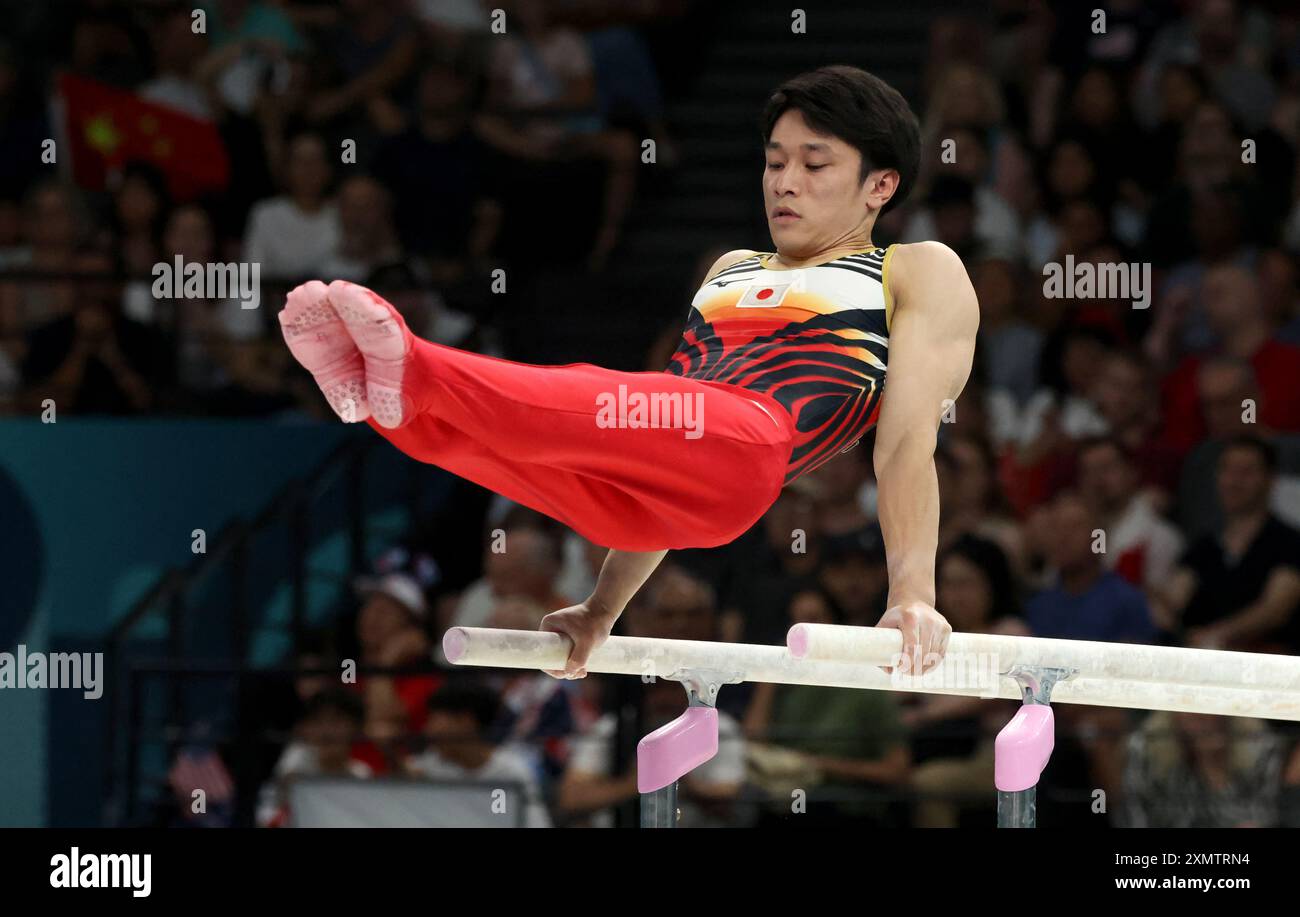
{"x":318,"y":340}
{"x":385,"y":342}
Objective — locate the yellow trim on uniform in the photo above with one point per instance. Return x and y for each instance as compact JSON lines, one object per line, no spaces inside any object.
{"x":884,"y":284}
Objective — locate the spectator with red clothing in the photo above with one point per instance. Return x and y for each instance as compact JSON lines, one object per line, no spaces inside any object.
{"x":1236,"y":315}
{"x":1140,"y":545}
{"x":1126,"y":394}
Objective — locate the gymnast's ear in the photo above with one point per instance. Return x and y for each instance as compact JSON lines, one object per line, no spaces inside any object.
{"x":878,"y":197}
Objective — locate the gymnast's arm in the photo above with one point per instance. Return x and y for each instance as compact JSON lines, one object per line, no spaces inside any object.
{"x":931,"y":346}
{"x":589,"y":623}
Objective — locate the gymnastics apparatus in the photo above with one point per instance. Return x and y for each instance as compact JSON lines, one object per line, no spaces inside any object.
{"x":1031,"y":669}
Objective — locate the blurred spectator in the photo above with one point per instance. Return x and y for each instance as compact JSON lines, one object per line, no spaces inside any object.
{"x":107,"y":44}
{"x":323,"y":747}
{"x":1140,"y":545}
{"x":253,"y":39}
{"x":1279,"y":287}
{"x":845,"y":495}
{"x":1010,"y":345}
{"x":391,"y":635}
{"x":1069,"y":173}
{"x":843,"y":747}
{"x":964,"y":209}
{"x":1235,"y":314}
{"x":542,"y":83}
{"x":459,"y":718}
{"x":1060,"y":412}
{"x":140,"y":208}
{"x":527,"y":565}
{"x":538,"y":712}
{"x":1127,"y":398}
{"x":1062,"y":406}
{"x":178,"y":55}
{"x":1189,"y":770}
{"x":952,"y":216}
{"x":94,"y":360}
{"x":1239,"y":586}
{"x":582,"y":564}
{"x":452,"y":23}
{"x":1087,"y":602}
{"x":54,"y":228}
{"x":1227,"y":41}
{"x":441,"y":157}
{"x":1182,"y":88}
{"x":292,"y":235}
{"x":1209,"y":168}
{"x":785,"y":559}
{"x":1226,"y":386}
{"x":372,"y":49}
{"x":971,"y":499}
{"x":367,"y":238}
{"x":627,"y":87}
{"x":673,"y":605}
{"x":219,"y":359}
{"x":856,"y":577}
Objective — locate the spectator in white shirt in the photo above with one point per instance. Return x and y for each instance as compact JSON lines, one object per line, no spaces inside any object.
{"x":460,"y":715}
{"x":322,"y":747}
{"x":367,"y":236}
{"x":291,"y":236}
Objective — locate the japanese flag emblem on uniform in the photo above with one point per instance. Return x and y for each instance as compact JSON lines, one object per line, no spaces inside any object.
{"x":761,"y":295}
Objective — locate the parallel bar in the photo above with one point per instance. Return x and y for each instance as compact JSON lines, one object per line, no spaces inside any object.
{"x":1108,"y":661}
{"x":521,"y":649}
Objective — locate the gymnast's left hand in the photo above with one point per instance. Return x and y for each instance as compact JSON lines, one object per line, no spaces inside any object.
{"x":586,"y":627}
{"x":925,"y":635}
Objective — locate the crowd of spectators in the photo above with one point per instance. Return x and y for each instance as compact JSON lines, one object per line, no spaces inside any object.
{"x":1112,"y":472}
{"x":395,"y":143}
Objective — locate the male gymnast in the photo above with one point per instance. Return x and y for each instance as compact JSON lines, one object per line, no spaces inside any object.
{"x":783,"y":361}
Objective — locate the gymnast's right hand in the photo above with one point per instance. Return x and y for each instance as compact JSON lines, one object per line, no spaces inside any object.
{"x":586,"y":627}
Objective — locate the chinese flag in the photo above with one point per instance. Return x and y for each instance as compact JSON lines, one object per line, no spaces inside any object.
{"x":109,"y":127}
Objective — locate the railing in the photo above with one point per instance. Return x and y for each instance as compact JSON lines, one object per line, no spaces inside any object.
{"x":174,"y":598}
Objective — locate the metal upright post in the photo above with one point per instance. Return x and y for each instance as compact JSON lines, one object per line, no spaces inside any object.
{"x":1024,"y":746}
{"x":674,"y":750}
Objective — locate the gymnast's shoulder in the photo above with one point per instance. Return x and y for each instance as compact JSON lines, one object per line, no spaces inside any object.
{"x":921,"y":268}
{"x":732,"y":257}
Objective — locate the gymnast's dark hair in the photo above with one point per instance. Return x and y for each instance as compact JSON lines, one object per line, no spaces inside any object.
{"x":862,"y":110}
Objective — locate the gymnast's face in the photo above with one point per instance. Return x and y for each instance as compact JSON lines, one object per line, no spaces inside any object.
{"x":815,"y":177}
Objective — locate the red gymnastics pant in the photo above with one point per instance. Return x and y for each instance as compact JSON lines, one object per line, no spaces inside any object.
{"x":533,"y":434}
